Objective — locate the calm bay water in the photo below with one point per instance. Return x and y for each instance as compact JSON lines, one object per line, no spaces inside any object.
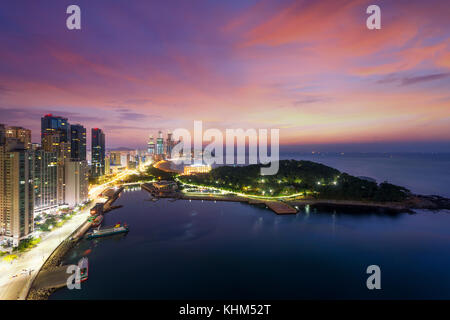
{"x":207,"y":250}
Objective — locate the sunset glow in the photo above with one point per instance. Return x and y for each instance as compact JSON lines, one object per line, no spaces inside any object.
{"x":310,"y":68}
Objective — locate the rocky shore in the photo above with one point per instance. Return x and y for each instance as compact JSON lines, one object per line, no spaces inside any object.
{"x":413,"y":202}
{"x":432,"y":202}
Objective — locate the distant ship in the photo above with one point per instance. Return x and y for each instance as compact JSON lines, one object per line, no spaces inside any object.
{"x":96,"y":233}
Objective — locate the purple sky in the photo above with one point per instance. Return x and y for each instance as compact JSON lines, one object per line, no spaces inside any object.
{"x":310,"y":68}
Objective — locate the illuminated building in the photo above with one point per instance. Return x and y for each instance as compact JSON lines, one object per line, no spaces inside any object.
{"x":115,"y":157}
{"x":21,"y":134}
{"x":55,"y":137}
{"x":107,"y":165}
{"x":98,"y":152}
{"x":51,"y":124}
{"x":151,"y":146}
{"x":196,"y":169}
{"x":78,"y":142}
{"x":164,"y":186}
{"x":77,"y":182}
{"x":160,"y":144}
{"x":169,"y":145}
{"x":2,"y":134}
{"x":16,"y":192}
{"x":45,"y":180}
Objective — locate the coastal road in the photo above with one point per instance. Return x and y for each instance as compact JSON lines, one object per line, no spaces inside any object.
{"x":14,"y":284}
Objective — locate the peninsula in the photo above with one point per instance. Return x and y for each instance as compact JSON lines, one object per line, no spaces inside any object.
{"x":304,"y":182}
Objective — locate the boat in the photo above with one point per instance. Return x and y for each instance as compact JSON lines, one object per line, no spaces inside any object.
{"x":97,"y":221}
{"x":83,"y":264}
{"x":98,"y":233}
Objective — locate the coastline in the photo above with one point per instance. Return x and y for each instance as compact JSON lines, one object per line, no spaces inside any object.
{"x":16,"y":286}
{"x":418,"y":202}
{"x":54,"y":260}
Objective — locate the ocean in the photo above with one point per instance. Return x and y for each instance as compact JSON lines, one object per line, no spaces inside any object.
{"x":219,"y":250}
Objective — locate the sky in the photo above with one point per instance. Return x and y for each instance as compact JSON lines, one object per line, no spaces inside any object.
{"x":309,"y":68}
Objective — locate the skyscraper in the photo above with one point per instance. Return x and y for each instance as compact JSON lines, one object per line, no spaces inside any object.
{"x":78,"y":142}
{"x":45,"y":180}
{"x":2,"y":134}
{"x":77,"y":182}
{"x":51,"y":124}
{"x":16,"y":191}
{"x":98,"y":152}
{"x":160,"y":144}
{"x":151,"y":146}
{"x":21,"y":134}
{"x":115,"y":158}
{"x":169,"y":144}
{"x":107,"y":164}
{"x":55,"y":137}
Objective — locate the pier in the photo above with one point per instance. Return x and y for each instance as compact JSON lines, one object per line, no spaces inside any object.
{"x":280,"y":207}
{"x":112,"y":195}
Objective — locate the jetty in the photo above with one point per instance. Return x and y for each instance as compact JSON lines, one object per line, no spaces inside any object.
{"x":280,"y":207}
{"x":112,"y":195}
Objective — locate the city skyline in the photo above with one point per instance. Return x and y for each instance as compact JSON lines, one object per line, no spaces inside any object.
{"x":291,"y":65}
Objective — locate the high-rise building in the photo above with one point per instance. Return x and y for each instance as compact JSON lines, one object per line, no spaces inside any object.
{"x":45,"y":180}
{"x":107,"y":165}
{"x":78,"y":142}
{"x":77,"y":182}
{"x":16,"y":191}
{"x":21,"y":134}
{"x":52,"y":143}
{"x":160,"y":144}
{"x":2,"y":134}
{"x":51,"y":124}
{"x":151,"y":146}
{"x":98,"y":152}
{"x":169,"y":144}
{"x":55,"y":137}
{"x":115,"y":158}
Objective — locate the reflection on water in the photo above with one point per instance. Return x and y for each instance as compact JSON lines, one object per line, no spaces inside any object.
{"x":224,"y":250}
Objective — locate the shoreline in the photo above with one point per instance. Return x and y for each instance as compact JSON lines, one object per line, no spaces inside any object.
{"x":55,"y":259}
{"x":16,"y":286}
{"x":331,"y":203}
{"x":414,"y":201}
